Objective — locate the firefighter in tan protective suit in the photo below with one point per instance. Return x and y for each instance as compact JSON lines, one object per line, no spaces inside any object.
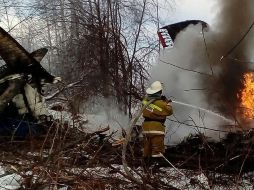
{"x":153,"y":126}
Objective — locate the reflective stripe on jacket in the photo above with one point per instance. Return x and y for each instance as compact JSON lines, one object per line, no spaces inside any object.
{"x":152,"y":106}
{"x":157,"y":110}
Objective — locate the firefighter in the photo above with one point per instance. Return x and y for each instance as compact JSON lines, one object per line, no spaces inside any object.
{"x":153,"y":126}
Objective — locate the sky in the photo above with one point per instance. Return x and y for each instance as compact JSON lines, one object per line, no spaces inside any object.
{"x":182,"y":10}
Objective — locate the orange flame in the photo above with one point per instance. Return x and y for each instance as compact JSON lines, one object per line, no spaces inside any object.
{"x":247,"y":96}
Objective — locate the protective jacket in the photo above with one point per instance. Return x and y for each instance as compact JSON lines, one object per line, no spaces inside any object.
{"x":155,"y":115}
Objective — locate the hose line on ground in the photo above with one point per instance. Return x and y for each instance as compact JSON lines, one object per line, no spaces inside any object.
{"x":127,"y":139}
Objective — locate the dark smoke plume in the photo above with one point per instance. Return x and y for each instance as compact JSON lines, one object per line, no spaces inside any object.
{"x":233,"y":21}
{"x":194,"y":74}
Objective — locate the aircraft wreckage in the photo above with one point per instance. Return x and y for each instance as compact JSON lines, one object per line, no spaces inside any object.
{"x":21,"y":81}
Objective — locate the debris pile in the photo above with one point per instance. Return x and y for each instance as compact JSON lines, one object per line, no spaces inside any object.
{"x":68,"y":157}
{"x":233,"y":154}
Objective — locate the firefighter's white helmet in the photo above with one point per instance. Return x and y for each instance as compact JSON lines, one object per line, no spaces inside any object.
{"x":154,"y":88}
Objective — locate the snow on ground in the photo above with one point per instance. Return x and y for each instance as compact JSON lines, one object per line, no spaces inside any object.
{"x":167,"y":176}
{"x":14,"y":181}
{"x":9,"y":181}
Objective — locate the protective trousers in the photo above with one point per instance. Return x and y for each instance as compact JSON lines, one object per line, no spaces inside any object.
{"x":153,"y":145}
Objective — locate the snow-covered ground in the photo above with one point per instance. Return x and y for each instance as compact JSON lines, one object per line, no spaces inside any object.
{"x":182,"y":179}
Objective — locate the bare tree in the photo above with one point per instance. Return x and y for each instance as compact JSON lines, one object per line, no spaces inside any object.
{"x":105,"y":45}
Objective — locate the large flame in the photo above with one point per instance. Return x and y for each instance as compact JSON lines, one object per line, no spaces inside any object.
{"x":247,"y":96}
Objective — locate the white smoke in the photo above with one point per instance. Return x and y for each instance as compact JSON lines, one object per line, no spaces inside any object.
{"x":182,"y":73}
{"x":103,"y":112}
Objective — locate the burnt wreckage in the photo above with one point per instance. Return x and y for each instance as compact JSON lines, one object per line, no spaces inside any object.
{"x":21,"y":82}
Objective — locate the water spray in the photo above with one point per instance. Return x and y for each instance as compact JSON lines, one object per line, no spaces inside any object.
{"x":203,"y":109}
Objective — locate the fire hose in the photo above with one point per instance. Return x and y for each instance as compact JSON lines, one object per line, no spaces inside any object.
{"x":127,"y":139}
{"x":125,"y":143}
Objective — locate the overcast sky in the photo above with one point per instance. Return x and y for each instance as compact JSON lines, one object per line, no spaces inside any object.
{"x":188,"y":9}
{"x":179,"y":10}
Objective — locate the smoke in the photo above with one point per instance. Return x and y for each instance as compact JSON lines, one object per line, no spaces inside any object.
{"x":194,"y":73}
{"x":103,"y":112}
{"x":228,"y":54}
{"x":186,"y":85}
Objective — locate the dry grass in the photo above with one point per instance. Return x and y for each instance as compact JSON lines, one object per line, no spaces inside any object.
{"x":67,"y":156}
